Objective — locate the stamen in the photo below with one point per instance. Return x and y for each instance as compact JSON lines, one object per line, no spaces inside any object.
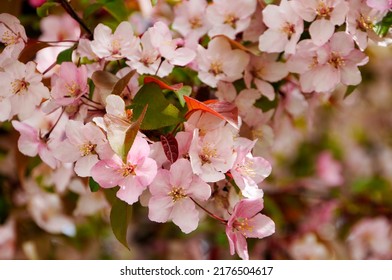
{"x":177,"y":193}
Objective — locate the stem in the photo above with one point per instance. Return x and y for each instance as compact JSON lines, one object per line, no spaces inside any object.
{"x":159,"y":66}
{"x":90,"y":100}
{"x":91,"y":105}
{"x":56,"y":42}
{"x":47,"y":135}
{"x":49,"y":68}
{"x":212,"y":215}
{"x":68,"y":8}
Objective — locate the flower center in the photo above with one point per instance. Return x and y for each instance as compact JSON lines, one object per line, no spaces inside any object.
{"x":247,"y":168}
{"x":336,"y":60}
{"x":323,"y":11}
{"x":364,"y":23}
{"x":242,"y":225}
{"x":231,"y":19}
{"x":19,"y":86}
{"x":289,"y":29}
{"x":195,"y":22}
{"x":128,"y":169}
{"x":207,"y":153}
{"x":87,"y":149}
{"x":116,"y":47}
{"x":216,"y":68}
{"x":10,"y":38}
{"x":177,"y":193}
{"x":73,"y":90}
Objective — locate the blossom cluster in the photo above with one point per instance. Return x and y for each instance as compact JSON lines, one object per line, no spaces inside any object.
{"x":113,"y":111}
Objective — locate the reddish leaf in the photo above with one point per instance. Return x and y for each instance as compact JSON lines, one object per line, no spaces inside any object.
{"x":170,"y":147}
{"x":162,"y":84}
{"x":31,"y":49}
{"x":221,"y":109}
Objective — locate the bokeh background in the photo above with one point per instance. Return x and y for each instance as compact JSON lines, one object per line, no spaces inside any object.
{"x":330,"y":191}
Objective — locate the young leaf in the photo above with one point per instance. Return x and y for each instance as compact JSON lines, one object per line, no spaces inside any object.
{"x":131,"y":133}
{"x":223,"y":110}
{"x":122,"y":83}
{"x":184,"y":91}
{"x":31,"y":50}
{"x":154,"y":2}
{"x":350,"y":90}
{"x":120,"y":217}
{"x":160,"y":112}
{"x":161,"y":84}
{"x":104,"y":83}
{"x":43,"y":10}
{"x":65,"y":55}
{"x":170,"y":147}
{"x":116,"y":8}
{"x":94,"y":186}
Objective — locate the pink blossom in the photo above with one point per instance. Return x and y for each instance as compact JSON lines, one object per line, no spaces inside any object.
{"x":56,"y":28}
{"x":381,"y":5}
{"x":371,"y":238}
{"x":256,"y":26}
{"x":323,"y":68}
{"x":360,"y":22}
{"x":7,"y":240}
{"x":31,"y":143}
{"x":329,"y":170}
{"x":159,"y":52}
{"x":284,"y":28}
{"x":324,"y":15}
{"x":23,"y":87}
{"x":309,"y":247}
{"x":190,"y":20}
{"x":85,"y":144}
{"x":12,"y":34}
{"x":114,"y":46}
{"x":220,"y":63}
{"x":69,"y":84}
{"x":36,"y":3}
{"x":212,"y":155}
{"x":248,"y":171}
{"x":172,"y":193}
{"x":133,"y":176}
{"x":230,"y":17}
{"x":263,"y":69}
{"x":247,"y":222}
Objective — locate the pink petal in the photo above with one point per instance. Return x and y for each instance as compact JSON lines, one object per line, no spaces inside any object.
{"x":65,"y":151}
{"x":342,"y":43}
{"x":182,"y":56}
{"x":181,"y":174}
{"x":272,"y":17}
{"x":130,"y":189}
{"x":160,"y":209}
{"x":320,"y":31}
{"x":247,"y":208}
{"x":84,"y":165}
{"x":350,"y":75}
{"x":106,"y":173}
{"x":139,"y":150}
{"x":262,"y":226}
{"x":273,"y":41}
{"x":265,"y":88}
{"x":325,"y":78}
{"x":241,"y":247}
{"x":339,"y":13}
{"x":199,"y":189}
{"x":161,"y":186}
{"x":185,"y":215}
{"x":146,"y":172}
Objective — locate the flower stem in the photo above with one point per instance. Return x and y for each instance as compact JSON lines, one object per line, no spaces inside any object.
{"x":212,"y":215}
{"x":68,"y":8}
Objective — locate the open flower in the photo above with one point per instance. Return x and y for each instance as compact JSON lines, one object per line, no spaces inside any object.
{"x":69,"y":84}
{"x":247,"y":222}
{"x":133,"y":176}
{"x":12,"y":34}
{"x":114,"y":46}
{"x":220,"y":63}
{"x":284,"y":28}
{"x":230,"y":17}
{"x":172,"y":193}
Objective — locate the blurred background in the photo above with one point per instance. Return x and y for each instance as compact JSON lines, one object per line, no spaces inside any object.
{"x":330,"y":191}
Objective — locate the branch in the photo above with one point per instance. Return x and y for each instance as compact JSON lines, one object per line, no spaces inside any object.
{"x":68,"y":8}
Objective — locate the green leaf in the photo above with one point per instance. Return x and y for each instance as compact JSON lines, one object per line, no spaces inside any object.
{"x":131,"y":133}
{"x":154,"y":2}
{"x":350,"y":90}
{"x":91,"y":9}
{"x":43,"y":10}
{"x":122,"y":83}
{"x":160,"y":112}
{"x":116,"y":8}
{"x":265,"y":104}
{"x":384,"y":25}
{"x":185,"y":90}
{"x":94,"y":186}
{"x":120,"y":217}
{"x":65,"y":55}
